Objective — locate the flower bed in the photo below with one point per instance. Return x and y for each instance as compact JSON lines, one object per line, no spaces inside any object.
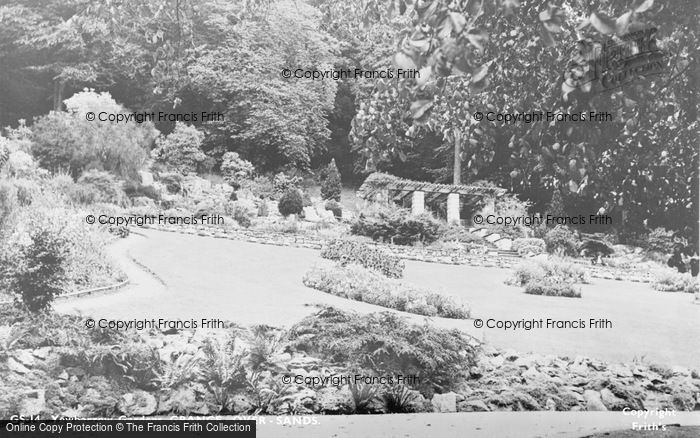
{"x":369,"y":256}
{"x":361,"y":284}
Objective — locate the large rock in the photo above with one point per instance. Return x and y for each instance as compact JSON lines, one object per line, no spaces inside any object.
{"x":137,"y":403}
{"x":15,"y":366}
{"x":311,"y":215}
{"x":25,"y":358}
{"x":445,"y":402}
{"x":593,"y":401}
{"x":182,"y":401}
{"x":335,"y":401}
{"x":620,"y":370}
{"x":611,"y":401}
{"x":304,"y":362}
{"x":473,"y":406}
{"x":33,"y":404}
{"x":492,"y":237}
{"x":504,"y":244}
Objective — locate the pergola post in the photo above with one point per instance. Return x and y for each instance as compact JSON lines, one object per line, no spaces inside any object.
{"x":489,"y":205}
{"x":453,"y":208}
{"x":418,"y":202}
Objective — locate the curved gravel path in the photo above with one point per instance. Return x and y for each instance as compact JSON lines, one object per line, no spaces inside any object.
{"x":261,"y":284}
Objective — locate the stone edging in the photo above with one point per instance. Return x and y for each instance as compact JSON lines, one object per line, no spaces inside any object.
{"x":450,"y":257}
{"x":81,"y":293}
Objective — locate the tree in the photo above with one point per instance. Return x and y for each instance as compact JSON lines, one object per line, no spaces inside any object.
{"x":181,"y":150}
{"x":270,"y":120}
{"x":68,"y":141}
{"x":627,"y":171}
{"x":331,"y":185}
{"x":36,"y":271}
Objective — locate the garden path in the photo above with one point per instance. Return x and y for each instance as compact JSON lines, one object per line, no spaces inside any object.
{"x":261,"y":284}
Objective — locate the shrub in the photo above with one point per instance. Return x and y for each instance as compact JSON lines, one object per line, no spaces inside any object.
{"x":552,"y":288}
{"x":669,"y":280}
{"x":551,"y":270}
{"x":398,"y":226}
{"x":67,"y":141}
{"x":360,"y":284}
{"x":510,"y":205}
{"x":84,"y":194}
{"x":223,"y":368}
{"x":400,"y":400}
{"x":243,"y":214}
{"x":8,"y":203}
{"x":104,"y":184}
{"x":291,"y":203}
{"x":172,"y":181}
{"x":529,"y":246}
{"x":457,"y":233}
{"x":387,"y":344}
{"x":260,"y":187}
{"x":331,"y":185}
{"x":234,"y":169}
{"x":660,"y":240}
{"x":561,"y":240}
{"x":307,"y":199}
{"x":181,"y":150}
{"x":137,"y":190}
{"x":369,"y":256}
{"x":36,"y":271}
{"x":335,"y":207}
{"x":283,"y":183}
{"x":556,"y":204}
{"x":20,"y":164}
{"x":26,"y":190}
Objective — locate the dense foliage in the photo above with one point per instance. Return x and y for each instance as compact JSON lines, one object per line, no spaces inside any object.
{"x":347,"y":251}
{"x":66,"y":141}
{"x":361,"y":284}
{"x":398,"y":226}
{"x":291,"y":203}
{"x":36,"y":271}
{"x":330,"y":185}
{"x":387,"y":344}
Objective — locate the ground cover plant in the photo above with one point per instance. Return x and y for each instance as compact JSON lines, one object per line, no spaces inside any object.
{"x":387,"y":343}
{"x":669,"y":280}
{"x":361,"y":284}
{"x":551,"y":277}
{"x":347,"y":251}
{"x":398,"y":226}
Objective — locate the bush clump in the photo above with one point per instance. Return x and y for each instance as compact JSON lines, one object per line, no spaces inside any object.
{"x":371,"y":257}
{"x":67,"y":141}
{"x":360,"y":284}
{"x":291,"y":203}
{"x":235,"y":169}
{"x":529,"y":246}
{"x":36,"y":271}
{"x":172,"y":181}
{"x":659,"y":240}
{"x":669,"y":280}
{"x":331,"y":185}
{"x":335,"y":207}
{"x":181,"y":150}
{"x":102,"y":185}
{"x":399,"y":227}
{"x":561,"y":241}
{"x":387,"y":344}
{"x":552,"y":288}
{"x":548,"y":270}
{"x":244,"y":214}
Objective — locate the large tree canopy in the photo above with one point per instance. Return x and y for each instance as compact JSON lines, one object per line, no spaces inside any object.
{"x":505,"y":56}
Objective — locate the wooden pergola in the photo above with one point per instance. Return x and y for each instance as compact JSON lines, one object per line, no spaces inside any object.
{"x":385,"y":188}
